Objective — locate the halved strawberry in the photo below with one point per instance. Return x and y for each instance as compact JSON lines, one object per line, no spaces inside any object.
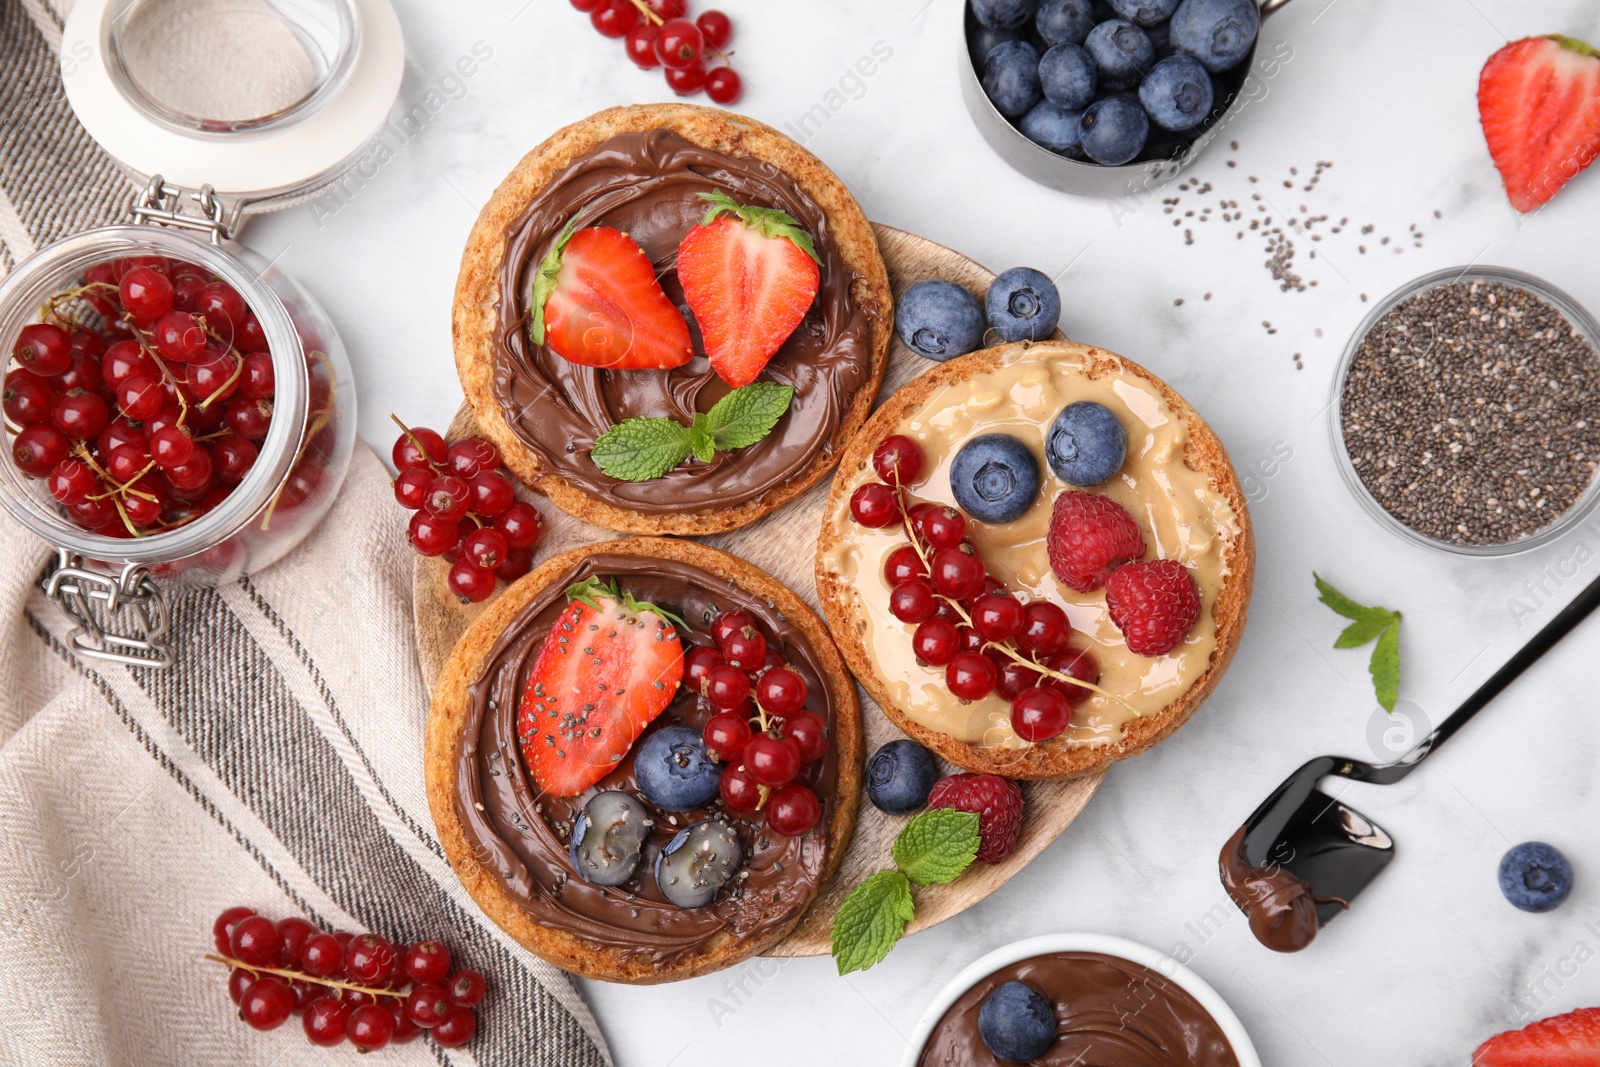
{"x":749,"y":275}
{"x":1539,"y":101}
{"x":1570,"y":1040}
{"x":609,"y":666}
{"x":596,"y":301}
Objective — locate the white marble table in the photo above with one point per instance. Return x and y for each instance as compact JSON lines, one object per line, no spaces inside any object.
{"x":1433,"y":960}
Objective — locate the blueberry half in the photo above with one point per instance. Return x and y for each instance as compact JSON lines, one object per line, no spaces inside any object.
{"x":698,"y":862}
{"x":607,"y":836}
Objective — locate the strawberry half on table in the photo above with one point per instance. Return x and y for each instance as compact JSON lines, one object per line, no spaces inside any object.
{"x":1570,"y":1040}
{"x":596,"y":301}
{"x":609,"y":666}
{"x":1539,"y":101}
{"x":749,"y":275}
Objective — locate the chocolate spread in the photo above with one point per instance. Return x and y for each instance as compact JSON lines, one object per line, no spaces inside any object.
{"x":521,"y":834}
{"x":1110,"y":1012}
{"x":1279,"y":904}
{"x":647,"y":185}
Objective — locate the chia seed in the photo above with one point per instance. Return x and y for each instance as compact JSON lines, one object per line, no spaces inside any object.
{"x":1471,"y":412}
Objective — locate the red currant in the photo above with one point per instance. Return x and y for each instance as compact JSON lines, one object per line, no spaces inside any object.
{"x":212,"y":377}
{"x":614,"y":19}
{"x":686,"y":81}
{"x":186,"y":291}
{"x":433,"y":536}
{"x":83,"y":374}
{"x":171,"y":446}
{"x":518,"y":561}
{"x":679,"y":43}
{"x":178,"y":337}
{"x":257,"y":380}
{"x":370,"y":1027}
{"x":741,"y":793}
{"x":223,"y":927}
{"x":641,"y":46}
{"x":471,"y":456}
{"x":448,"y":498}
{"x":917,"y":513}
{"x":745,"y":648}
{"x":729,"y":623}
{"x":426,"y":961}
{"x":239,"y":980}
{"x":667,"y":9}
{"x":92,"y":514}
{"x":970,"y":676}
{"x":697,"y":665}
{"x":520,"y":523}
{"x":254,"y":939}
{"x":898,"y":460}
{"x":471,"y":582}
{"x":87,"y":343}
{"x":144,"y":505}
{"x":233,"y":457}
{"x":903,"y":565}
{"x":222,"y":307}
{"x":1040,"y":714}
{"x":957,"y":572}
{"x":1081,"y":665}
{"x":43,"y":348}
{"x":772,"y":761}
{"x":874,"y":506}
{"x":1014,"y":678}
{"x":726,"y":687}
{"x":715,"y":27}
{"x":943,"y":527}
{"x":411,"y":488}
{"x":969,"y":639}
{"x":146,"y":293}
{"x":485,"y":547}
{"x":587,"y":6}
{"x":322,"y":955}
{"x":295,"y":932}
{"x":491,"y":494}
{"x":27,"y":400}
{"x":37,"y":449}
{"x":371,"y":960}
{"x":466,"y":988}
{"x":249,"y":418}
{"x":997,"y":616}
{"x":266,"y":1003}
{"x":428,"y":1004}
{"x":781,"y":691}
{"x":807,"y":730}
{"x":404,"y":1029}
{"x":81,"y":416}
{"x":726,"y":734}
{"x":126,"y":463}
{"x":325,"y":1021}
{"x":1044,"y":628}
{"x":407,"y":454}
{"x":124,"y":360}
{"x":913,"y":601}
{"x":459,"y":1027}
{"x":935,"y":642}
{"x":194,"y":474}
{"x":792,"y":810}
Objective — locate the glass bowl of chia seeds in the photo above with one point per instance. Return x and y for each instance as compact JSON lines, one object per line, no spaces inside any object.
{"x":1466,"y":412}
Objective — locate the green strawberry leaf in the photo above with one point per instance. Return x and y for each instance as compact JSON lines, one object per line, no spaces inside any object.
{"x":637,"y":450}
{"x":592,"y":590}
{"x":701,"y":443}
{"x":544,"y":283}
{"x":1385,"y":666}
{"x":748,"y":414}
{"x":937,"y":845}
{"x":871,"y":920}
{"x":767,"y":221}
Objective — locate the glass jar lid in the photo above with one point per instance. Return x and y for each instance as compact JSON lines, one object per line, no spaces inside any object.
{"x":266,"y":101}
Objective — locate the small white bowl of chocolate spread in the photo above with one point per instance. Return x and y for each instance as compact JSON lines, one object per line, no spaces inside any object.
{"x":1116,"y":1003}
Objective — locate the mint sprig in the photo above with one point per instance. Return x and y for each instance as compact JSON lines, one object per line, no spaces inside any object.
{"x":1366,"y":625}
{"x":767,"y":221}
{"x":931,"y":849}
{"x":639,"y":449}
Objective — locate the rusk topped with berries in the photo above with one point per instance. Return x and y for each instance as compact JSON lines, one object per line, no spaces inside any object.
{"x":582,"y":873}
{"x":1144,"y":642}
{"x":782,"y":285}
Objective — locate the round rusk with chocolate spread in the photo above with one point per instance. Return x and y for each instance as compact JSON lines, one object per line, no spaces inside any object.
{"x":508,"y":841}
{"x":641,"y":170}
{"x":1178,"y":485}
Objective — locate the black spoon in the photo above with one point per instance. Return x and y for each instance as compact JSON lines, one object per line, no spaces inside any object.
{"x":1302,"y":856}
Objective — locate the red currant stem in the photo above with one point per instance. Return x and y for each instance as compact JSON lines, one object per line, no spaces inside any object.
{"x":123,"y":514}
{"x":423,"y":452}
{"x":238,"y":369}
{"x":161,"y":364}
{"x":301,"y":976}
{"x":644,"y":9}
{"x":760,"y":716}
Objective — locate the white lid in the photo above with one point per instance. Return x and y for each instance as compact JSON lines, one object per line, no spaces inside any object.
{"x":260,"y":99}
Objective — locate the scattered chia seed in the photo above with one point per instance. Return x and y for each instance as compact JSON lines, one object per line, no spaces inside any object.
{"x":1469,"y":413}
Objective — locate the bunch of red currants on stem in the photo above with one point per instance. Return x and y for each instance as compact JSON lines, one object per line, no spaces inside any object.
{"x":143,"y":396}
{"x":987,"y":640}
{"x":363,"y":988}
{"x":659,"y":33}
{"x":759,"y":726}
{"x":466,"y":510}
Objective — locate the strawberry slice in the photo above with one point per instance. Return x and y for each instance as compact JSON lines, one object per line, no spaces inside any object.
{"x":596,"y":301}
{"x":609,"y":666}
{"x":1570,"y":1040}
{"x":749,"y":275}
{"x":1539,"y":101}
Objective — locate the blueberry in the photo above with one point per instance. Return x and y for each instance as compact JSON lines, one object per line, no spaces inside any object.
{"x":1121,"y":51}
{"x":1004,"y":14}
{"x":1219,"y":33}
{"x":1064,"y":21}
{"x":674,"y":771}
{"x":698,"y":862}
{"x":1067,"y":76}
{"x":984,"y":40}
{"x":607,"y":836}
{"x":1086,"y":444}
{"x":1011,"y":77}
{"x":1535,"y":876}
{"x":1114,"y":131}
{"x":1054,"y":128}
{"x":994,"y":478}
{"x":1177,"y":93}
{"x":939,"y":319}
{"x":1017,"y":1023}
{"x":900,"y":775}
{"x":1145,"y":12}
{"x":1022,"y":305}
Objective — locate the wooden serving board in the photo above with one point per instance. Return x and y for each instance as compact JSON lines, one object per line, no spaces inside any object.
{"x":784,"y":544}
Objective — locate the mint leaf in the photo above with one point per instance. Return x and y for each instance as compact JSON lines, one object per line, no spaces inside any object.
{"x":767,"y":221}
{"x":544,"y":283}
{"x":937,"y":845}
{"x":637,"y":450}
{"x":871,"y":920}
{"x":1385,"y":667}
{"x":1341,"y":603}
{"x":748,"y":414}
{"x":701,"y":442}
{"x":1365,"y":629}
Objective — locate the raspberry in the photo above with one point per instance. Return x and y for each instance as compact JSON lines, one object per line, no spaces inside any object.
{"x":998,"y":803}
{"x":1155,"y":604}
{"x":1090,"y":536}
